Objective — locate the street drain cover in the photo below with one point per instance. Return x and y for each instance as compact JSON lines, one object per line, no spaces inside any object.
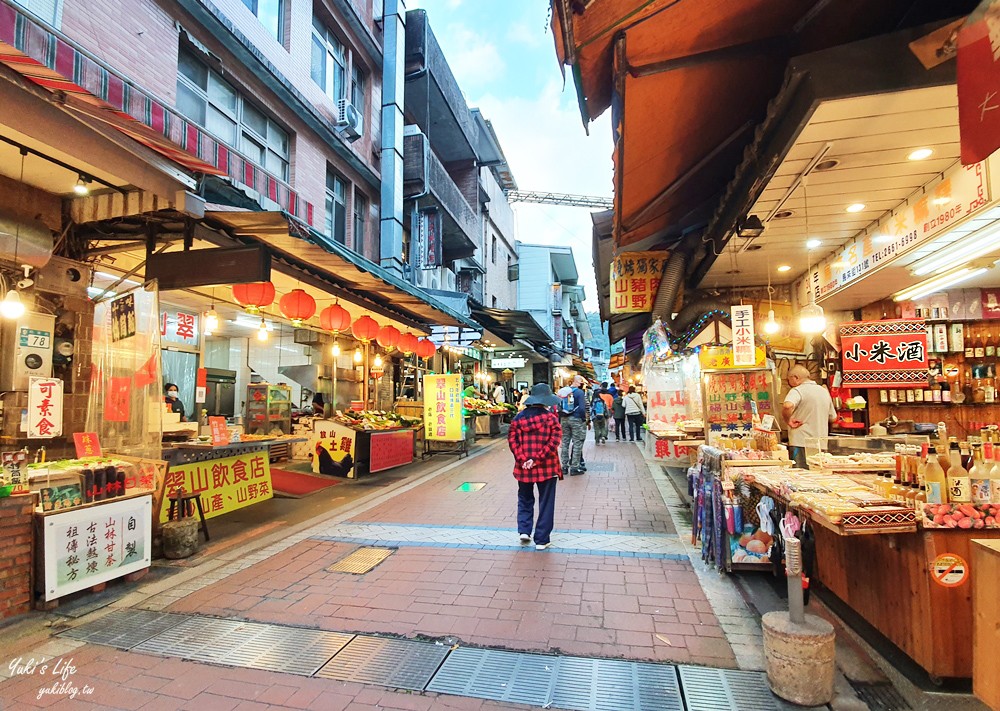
{"x":125,"y":629}
{"x":707,"y":689}
{"x":471,"y":486}
{"x":600,"y":467}
{"x":880,"y":696}
{"x":361,"y":561}
{"x":395,"y":663}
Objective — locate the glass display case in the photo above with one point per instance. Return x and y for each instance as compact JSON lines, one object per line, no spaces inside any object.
{"x":268,"y":409}
{"x":730,"y":396}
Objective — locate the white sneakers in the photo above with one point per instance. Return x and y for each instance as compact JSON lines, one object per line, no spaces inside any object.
{"x":542,"y":546}
{"x":525,"y":538}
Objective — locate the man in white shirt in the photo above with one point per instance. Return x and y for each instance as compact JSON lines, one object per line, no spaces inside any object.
{"x":808,"y":411}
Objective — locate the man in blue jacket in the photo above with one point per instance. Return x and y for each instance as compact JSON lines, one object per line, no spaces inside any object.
{"x":573,"y":416}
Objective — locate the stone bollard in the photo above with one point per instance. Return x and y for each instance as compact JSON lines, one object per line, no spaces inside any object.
{"x":800,"y":658}
{"x":180,"y":538}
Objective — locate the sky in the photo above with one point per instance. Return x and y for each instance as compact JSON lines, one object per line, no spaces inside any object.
{"x":503,"y":55}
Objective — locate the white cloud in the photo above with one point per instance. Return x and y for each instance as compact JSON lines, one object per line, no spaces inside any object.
{"x":474,"y":59}
{"x":523,"y":33}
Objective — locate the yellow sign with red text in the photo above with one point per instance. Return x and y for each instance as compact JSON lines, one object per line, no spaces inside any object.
{"x":224,"y":485}
{"x":635,"y":279}
{"x":722,"y":358}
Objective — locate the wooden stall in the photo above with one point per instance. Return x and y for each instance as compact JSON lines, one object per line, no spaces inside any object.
{"x":986,"y":616}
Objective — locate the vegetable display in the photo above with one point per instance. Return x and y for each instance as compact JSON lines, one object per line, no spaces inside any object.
{"x":375,"y":420}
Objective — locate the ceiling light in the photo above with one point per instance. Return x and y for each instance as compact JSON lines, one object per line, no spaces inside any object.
{"x":771,"y":326}
{"x":960,"y":252}
{"x":81,"y":187}
{"x":828,"y":164}
{"x":750,"y":227}
{"x":856,"y":207}
{"x":12,"y":307}
{"x":920,"y":154}
{"x":812,"y":319}
{"x":357,"y":355}
{"x":938,"y":283}
{"x":784,"y":268}
{"x":813,"y":243}
{"x":335,"y":350}
{"x":211,"y":322}
{"x":262,"y":331}
{"x":783,"y":214}
{"x":941,"y":201}
{"x":378,"y":361}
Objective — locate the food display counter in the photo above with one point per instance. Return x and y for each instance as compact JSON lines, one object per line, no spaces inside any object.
{"x":354,"y":444}
{"x":487,"y":416}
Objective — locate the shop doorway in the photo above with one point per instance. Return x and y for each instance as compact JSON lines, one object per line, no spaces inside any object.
{"x":182,"y":369}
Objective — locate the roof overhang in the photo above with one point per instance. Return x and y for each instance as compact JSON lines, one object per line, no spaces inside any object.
{"x":513,"y":325}
{"x":564,"y":266}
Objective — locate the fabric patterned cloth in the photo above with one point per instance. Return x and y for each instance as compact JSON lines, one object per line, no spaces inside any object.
{"x":574,"y":434}
{"x":535,"y":434}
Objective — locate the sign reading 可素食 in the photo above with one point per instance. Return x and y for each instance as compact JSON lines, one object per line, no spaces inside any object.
{"x":635,"y":279}
{"x":443,"y":408}
{"x":223,"y":485}
{"x":884,"y":354}
{"x":45,"y":408}
{"x":96,"y":544}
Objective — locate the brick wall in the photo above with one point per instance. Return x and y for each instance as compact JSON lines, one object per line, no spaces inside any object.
{"x":15,"y":561}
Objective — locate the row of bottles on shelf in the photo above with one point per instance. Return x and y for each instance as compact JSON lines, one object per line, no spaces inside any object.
{"x":950,"y":472}
{"x":975,"y":342}
{"x":948,"y":383}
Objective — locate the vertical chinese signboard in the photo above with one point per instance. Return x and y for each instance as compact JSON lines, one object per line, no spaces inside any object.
{"x":443,"y":408}
{"x":96,"y":544}
{"x":884,"y":354}
{"x":179,"y":327}
{"x":635,"y":279}
{"x":224,"y":485}
{"x":729,"y":398}
{"x":45,"y":408}
{"x":743,"y":343}
{"x":334,"y":449}
{"x":430,"y":223}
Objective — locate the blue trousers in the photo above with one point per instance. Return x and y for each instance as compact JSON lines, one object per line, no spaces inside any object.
{"x":798,"y":455}
{"x":546,"y":508}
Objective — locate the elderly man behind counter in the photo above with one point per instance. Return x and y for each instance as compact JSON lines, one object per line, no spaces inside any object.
{"x":808,"y":411}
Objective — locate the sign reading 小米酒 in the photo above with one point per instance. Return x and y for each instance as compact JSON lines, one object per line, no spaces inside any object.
{"x":45,"y":408}
{"x":224,"y":485}
{"x":884,"y":354}
{"x":443,"y":408}
{"x":635,"y":279}
{"x":743,"y":344}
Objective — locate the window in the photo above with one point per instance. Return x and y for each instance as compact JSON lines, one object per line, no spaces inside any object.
{"x":329,"y":62}
{"x":336,"y":207}
{"x":493,"y":250}
{"x":271,"y":14}
{"x":494,"y":302}
{"x":48,"y":11}
{"x":358,"y":88}
{"x":205,"y":98}
{"x":360,"y":220}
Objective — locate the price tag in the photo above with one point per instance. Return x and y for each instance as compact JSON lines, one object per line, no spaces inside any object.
{"x":220,"y":433}
{"x":728,"y":485}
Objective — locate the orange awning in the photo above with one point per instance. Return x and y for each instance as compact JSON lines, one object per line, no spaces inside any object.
{"x":688,"y":81}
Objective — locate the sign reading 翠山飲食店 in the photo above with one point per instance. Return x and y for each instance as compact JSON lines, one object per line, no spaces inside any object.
{"x":45,"y":408}
{"x":224,"y":485}
{"x":963,"y":191}
{"x":179,"y":327}
{"x":635,"y":279}
{"x":744,"y":353}
{"x":880,"y":354}
{"x":443,"y":408}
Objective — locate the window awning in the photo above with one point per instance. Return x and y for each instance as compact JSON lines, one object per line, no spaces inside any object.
{"x":584,"y":368}
{"x":513,"y":325}
{"x":304,"y":247}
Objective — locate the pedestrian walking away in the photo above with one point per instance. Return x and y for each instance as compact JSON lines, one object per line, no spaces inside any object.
{"x":600,"y":413}
{"x":618,"y":411}
{"x":574,"y":419}
{"x":534,"y":438}
{"x":635,"y":413}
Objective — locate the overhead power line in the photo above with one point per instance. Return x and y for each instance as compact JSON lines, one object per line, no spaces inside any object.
{"x":564,"y":199}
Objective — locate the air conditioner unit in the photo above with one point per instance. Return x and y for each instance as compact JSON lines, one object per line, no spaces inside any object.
{"x":448,"y":282}
{"x":349,"y":120}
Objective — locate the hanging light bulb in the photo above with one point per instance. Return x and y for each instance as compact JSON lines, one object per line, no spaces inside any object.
{"x":771,"y":326}
{"x":211,"y":322}
{"x":335,"y":350}
{"x":378,"y":361}
{"x":262,"y":331}
{"x":812,"y":319}
{"x":12,"y":307}
{"x":357,"y":355}
{"x":81,"y":187}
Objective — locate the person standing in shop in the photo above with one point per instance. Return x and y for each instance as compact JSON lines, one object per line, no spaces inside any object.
{"x":499,"y":396}
{"x":534,"y":438}
{"x":635,"y":411}
{"x":172,"y":399}
{"x":575,"y":421}
{"x":808,"y":411}
{"x":618,"y":411}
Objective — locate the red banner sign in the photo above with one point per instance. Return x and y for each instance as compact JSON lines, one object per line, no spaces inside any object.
{"x":219,"y":430}
{"x":884,"y":354}
{"x":979,"y":83}
{"x":87,"y":444}
{"x":390,"y":449}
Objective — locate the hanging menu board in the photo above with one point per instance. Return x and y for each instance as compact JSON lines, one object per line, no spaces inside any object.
{"x":729,"y":399}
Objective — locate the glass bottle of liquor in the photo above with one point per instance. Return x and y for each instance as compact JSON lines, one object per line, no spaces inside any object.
{"x":980,"y":345}
{"x":967,"y":386}
{"x":990,"y":349}
{"x":899,"y":484}
{"x":979,"y":481}
{"x":994,"y":476}
{"x":968,"y":345}
{"x":934,"y":479}
{"x":958,"y":478}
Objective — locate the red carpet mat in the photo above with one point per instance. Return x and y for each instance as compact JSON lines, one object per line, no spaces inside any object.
{"x":297,"y":484}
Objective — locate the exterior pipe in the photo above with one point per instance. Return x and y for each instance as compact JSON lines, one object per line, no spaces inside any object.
{"x":393,"y":79}
{"x":670,"y":284}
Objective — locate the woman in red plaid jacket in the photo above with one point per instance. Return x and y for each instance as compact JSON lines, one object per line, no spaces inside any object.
{"x":534,"y":439}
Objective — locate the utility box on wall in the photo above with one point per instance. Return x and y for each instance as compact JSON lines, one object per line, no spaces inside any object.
{"x":26,"y":350}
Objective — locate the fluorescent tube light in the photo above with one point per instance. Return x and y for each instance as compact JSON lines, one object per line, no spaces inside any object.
{"x":929,"y":286}
{"x":973,"y":246}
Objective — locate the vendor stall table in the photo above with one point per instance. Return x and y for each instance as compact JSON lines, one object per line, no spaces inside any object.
{"x":341,"y":449}
{"x":488,"y":425}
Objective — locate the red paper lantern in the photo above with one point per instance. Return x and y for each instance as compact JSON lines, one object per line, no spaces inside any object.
{"x":408,"y":343}
{"x":388,"y":337}
{"x":334,"y":318}
{"x":254,"y":296}
{"x":426,"y":349}
{"x":298,"y":306}
{"x":365,"y":329}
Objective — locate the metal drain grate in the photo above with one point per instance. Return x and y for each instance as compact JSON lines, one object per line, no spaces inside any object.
{"x":470,"y":486}
{"x":600,"y":467}
{"x":248,"y":644}
{"x":558,"y":682}
{"x":395,"y":663}
{"x":125,"y":629}
{"x":880,"y":696}
{"x":361,"y":561}
{"x":708,"y":689}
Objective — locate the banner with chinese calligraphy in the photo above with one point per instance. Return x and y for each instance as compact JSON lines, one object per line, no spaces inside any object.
{"x":743,"y":335}
{"x":334,"y":449}
{"x":729,"y":399}
{"x":978,"y":74}
{"x":179,"y":327}
{"x":635,"y":279}
{"x":443,"y":401}
{"x":45,"y":408}
{"x":224,"y":485}
{"x":96,"y":544}
{"x":884,"y":354}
